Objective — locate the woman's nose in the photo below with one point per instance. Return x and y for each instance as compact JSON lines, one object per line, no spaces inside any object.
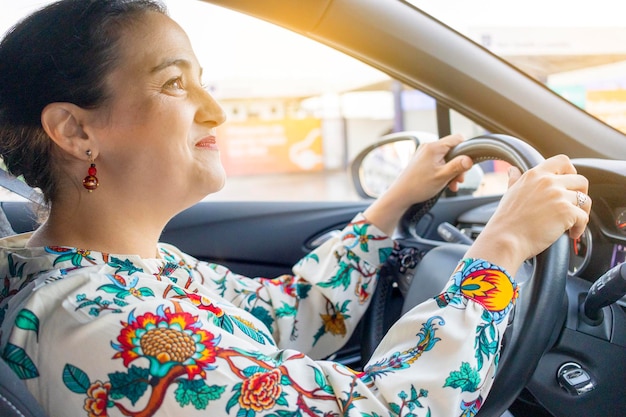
{"x":209,"y":110}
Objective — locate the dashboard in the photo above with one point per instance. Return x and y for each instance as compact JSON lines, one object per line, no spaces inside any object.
{"x":603,"y":244}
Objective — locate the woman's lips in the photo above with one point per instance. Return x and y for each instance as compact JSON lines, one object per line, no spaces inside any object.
{"x":209,"y":142}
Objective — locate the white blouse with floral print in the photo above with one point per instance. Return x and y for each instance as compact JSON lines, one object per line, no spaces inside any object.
{"x":96,"y":334}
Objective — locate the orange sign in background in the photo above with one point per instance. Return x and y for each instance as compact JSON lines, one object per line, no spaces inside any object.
{"x":609,"y":106}
{"x":272,"y":146}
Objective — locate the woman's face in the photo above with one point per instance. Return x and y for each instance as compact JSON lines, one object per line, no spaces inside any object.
{"x":156,"y":135}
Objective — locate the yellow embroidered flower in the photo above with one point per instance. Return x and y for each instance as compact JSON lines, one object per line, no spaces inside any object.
{"x":491,"y":288}
{"x":167,"y":339}
{"x":334,"y":323}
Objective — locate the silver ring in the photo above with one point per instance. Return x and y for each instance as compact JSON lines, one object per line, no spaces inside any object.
{"x":581,"y":199}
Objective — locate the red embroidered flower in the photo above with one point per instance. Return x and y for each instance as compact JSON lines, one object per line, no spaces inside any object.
{"x":287,"y":283}
{"x":261,"y":391}
{"x":167,"y":339}
{"x":97,"y":399}
{"x":204,"y":303}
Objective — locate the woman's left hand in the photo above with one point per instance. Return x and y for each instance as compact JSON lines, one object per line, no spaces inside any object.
{"x":426,"y":175}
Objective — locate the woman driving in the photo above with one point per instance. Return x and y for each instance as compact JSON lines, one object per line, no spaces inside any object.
{"x":103,"y":109}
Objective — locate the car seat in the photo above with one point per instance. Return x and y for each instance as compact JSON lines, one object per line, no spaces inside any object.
{"x":15,"y":399}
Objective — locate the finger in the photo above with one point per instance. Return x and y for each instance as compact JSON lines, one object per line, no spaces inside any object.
{"x":445,"y":144}
{"x":558,"y":164}
{"x":460,"y":164}
{"x":514,"y":175}
{"x":573,"y":182}
{"x":582,"y":218}
{"x":454,"y":184}
{"x":453,"y":171}
{"x":452,"y":140}
{"x":440,"y":147}
{"x":582,"y":201}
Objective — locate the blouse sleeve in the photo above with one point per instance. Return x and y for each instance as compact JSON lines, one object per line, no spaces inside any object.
{"x":316,"y":309}
{"x":440,"y":357}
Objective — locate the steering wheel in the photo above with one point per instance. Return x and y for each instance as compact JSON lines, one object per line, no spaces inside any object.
{"x":539,"y":306}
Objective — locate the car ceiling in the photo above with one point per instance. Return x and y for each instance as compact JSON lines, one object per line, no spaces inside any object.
{"x":425,"y":54}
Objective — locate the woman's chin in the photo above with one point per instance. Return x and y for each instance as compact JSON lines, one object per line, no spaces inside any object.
{"x":212,"y":185}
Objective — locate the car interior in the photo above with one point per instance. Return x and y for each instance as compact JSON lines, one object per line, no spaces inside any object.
{"x":565,"y":351}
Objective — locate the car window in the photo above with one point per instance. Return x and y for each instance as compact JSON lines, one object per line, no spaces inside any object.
{"x":298,"y":111}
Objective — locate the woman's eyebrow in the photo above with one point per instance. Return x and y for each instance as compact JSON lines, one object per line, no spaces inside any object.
{"x":176,"y":62}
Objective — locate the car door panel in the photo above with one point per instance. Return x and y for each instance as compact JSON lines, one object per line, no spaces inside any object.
{"x":263,"y":236}
{"x":256,"y":238}
{"x":267,"y":238}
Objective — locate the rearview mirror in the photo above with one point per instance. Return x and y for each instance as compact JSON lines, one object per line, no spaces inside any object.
{"x":378,"y":165}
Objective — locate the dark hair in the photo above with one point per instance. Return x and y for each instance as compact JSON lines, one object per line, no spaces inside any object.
{"x":61,"y":53}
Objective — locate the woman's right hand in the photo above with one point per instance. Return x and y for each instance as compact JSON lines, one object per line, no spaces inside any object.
{"x":539,"y":206}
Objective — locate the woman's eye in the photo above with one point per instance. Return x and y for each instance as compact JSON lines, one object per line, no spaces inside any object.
{"x":174,"y":84}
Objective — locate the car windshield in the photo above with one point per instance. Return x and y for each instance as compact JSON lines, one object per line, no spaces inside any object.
{"x":577,"y":49}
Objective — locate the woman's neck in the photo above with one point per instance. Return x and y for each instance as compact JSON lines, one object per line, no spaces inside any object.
{"x":120,"y":232}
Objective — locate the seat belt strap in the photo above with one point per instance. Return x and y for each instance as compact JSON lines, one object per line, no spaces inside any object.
{"x":20,"y":188}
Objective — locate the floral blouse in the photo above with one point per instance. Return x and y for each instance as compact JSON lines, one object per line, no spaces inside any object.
{"x":97,"y":334}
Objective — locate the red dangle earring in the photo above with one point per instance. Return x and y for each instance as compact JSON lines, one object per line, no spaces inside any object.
{"x":90,"y":182}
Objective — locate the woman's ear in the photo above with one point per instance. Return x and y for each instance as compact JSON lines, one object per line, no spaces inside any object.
{"x":63,"y":123}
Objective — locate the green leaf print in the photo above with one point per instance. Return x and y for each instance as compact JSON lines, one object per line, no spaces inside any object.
{"x":14,"y":270}
{"x":343,"y":276}
{"x":234,"y":400}
{"x":282,"y":400}
{"x":75,"y":379}
{"x":77,"y":259}
{"x":302,"y":290}
{"x":286,"y":413}
{"x":286,"y":310}
{"x":27,"y":320}
{"x":383,"y":254}
{"x":264,"y":315}
{"x":197,"y":392}
{"x":252,"y":333}
{"x":467,"y":379}
{"x":321,"y":381}
{"x":251,"y":370}
{"x":20,"y":362}
{"x":131,"y":385}
{"x":64,"y":258}
{"x":486,"y":344}
{"x":311,"y":256}
{"x":146,"y":292}
{"x":120,"y":302}
{"x":110,"y":288}
{"x":124,"y":266}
